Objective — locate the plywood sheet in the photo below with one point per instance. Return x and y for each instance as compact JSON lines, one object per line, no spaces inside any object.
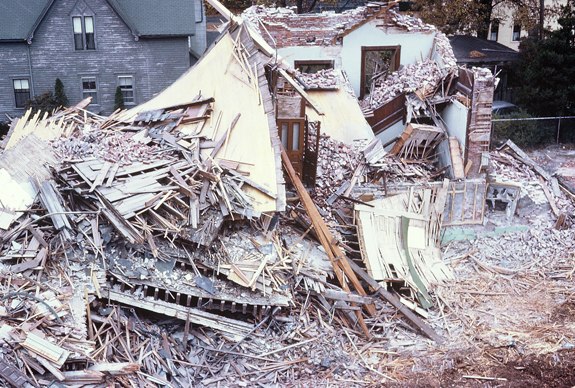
{"x":343,"y":119}
{"x":219,"y":75}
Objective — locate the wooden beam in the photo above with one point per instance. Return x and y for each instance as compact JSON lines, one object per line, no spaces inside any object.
{"x":302,"y":92}
{"x":394,"y":300}
{"x":334,"y":253}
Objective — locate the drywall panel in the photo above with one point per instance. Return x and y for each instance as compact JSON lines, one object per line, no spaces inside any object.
{"x":391,"y":133}
{"x":455,"y":118}
{"x":444,"y":158}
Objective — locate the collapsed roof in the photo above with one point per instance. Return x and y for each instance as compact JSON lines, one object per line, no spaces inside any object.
{"x":171,"y":207}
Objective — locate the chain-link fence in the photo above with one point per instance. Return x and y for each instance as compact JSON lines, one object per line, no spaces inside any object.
{"x":532,"y":131}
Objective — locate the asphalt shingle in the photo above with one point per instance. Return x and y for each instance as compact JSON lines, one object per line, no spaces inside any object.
{"x":17,"y":18}
{"x":158,"y":17}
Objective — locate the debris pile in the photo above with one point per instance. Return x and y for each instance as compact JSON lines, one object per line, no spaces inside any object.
{"x":445,"y":51}
{"x":412,"y":23}
{"x":142,"y":218}
{"x":410,"y":78}
{"x":336,"y":161}
{"x":136,"y":251}
{"x":323,"y":79}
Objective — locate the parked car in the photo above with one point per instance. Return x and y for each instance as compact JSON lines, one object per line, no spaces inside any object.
{"x":503,"y":108}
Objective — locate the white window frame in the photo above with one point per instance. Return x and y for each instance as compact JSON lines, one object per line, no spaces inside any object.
{"x":133,"y":90}
{"x":494,"y":31}
{"x":89,"y":91}
{"x":518,"y":38}
{"x":20,"y":79}
{"x":83,"y":28}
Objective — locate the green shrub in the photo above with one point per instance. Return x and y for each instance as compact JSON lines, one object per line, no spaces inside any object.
{"x":523,"y":133}
{"x":46,"y":102}
{"x":60,"y":94}
{"x":118,"y":99}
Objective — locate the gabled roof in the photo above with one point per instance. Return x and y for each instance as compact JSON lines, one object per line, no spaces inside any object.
{"x":157,"y":18}
{"x":145,"y":18}
{"x":18,"y":19}
{"x":469,"y":49}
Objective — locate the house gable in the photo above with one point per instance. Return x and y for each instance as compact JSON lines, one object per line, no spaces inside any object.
{"x":81,"y":8}
{"x":115,"y":59}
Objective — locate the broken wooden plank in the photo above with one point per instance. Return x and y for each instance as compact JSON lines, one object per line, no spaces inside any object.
{"x":522,"y":156}
{"x":101,"y":176}
{"x":232,"y":328}
{"x":333,"y":251}
{"x":549,"y":197}
{"x":394,"y":300}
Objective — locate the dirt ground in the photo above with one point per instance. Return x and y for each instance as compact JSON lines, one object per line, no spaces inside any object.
{"x":508,"y":317}
{"x":513,"y":326}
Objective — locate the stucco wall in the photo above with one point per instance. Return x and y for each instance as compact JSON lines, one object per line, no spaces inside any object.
{"x":414,"y":47}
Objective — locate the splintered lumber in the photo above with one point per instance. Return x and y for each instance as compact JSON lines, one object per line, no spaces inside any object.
{"x":51,"y":200}
{"x":46,"y":349}
{"x":394,"y":300}
{"x":522,"y":156}
{"x":13,"y":375}
{"x":234,"y":329}
{"x":250,"y":182}
{"x":83,"y":377}
{"x":347,"y":297}
{"x":116,"y":369}
{"x":401,"y":141}
{"x":456,"y":159}
{"x":335,"y":255}
{"x":549,"y":197}
{"x":119,"y":222}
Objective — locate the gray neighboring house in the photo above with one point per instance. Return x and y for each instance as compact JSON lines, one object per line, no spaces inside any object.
{"x":94,"y":46}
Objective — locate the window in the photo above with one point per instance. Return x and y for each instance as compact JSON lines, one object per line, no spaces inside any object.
{"x":494,"y":31}
{"x":375,"y":62}
{"x":89,"y":89}
{"x":21,"y":92}
{"x":84,"y":33}
{"x":516,"y":32}
{"x":314,"y":66}
{"x":126,"y":83}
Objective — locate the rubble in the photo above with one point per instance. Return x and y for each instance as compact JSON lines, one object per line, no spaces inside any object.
{"x":409,"y":79}
{"x":323,"y":79}
{"x":135,"y":250}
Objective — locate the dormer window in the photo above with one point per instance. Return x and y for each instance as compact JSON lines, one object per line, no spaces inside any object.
{"x":84,"y":33}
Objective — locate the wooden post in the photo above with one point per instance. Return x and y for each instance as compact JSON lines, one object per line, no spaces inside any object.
{"x":334,"y":253}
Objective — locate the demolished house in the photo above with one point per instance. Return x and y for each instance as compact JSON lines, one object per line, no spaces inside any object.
{"x":151,"y":247}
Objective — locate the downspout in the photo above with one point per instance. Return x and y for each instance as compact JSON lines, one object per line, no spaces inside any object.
{"x":30,"y":70}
